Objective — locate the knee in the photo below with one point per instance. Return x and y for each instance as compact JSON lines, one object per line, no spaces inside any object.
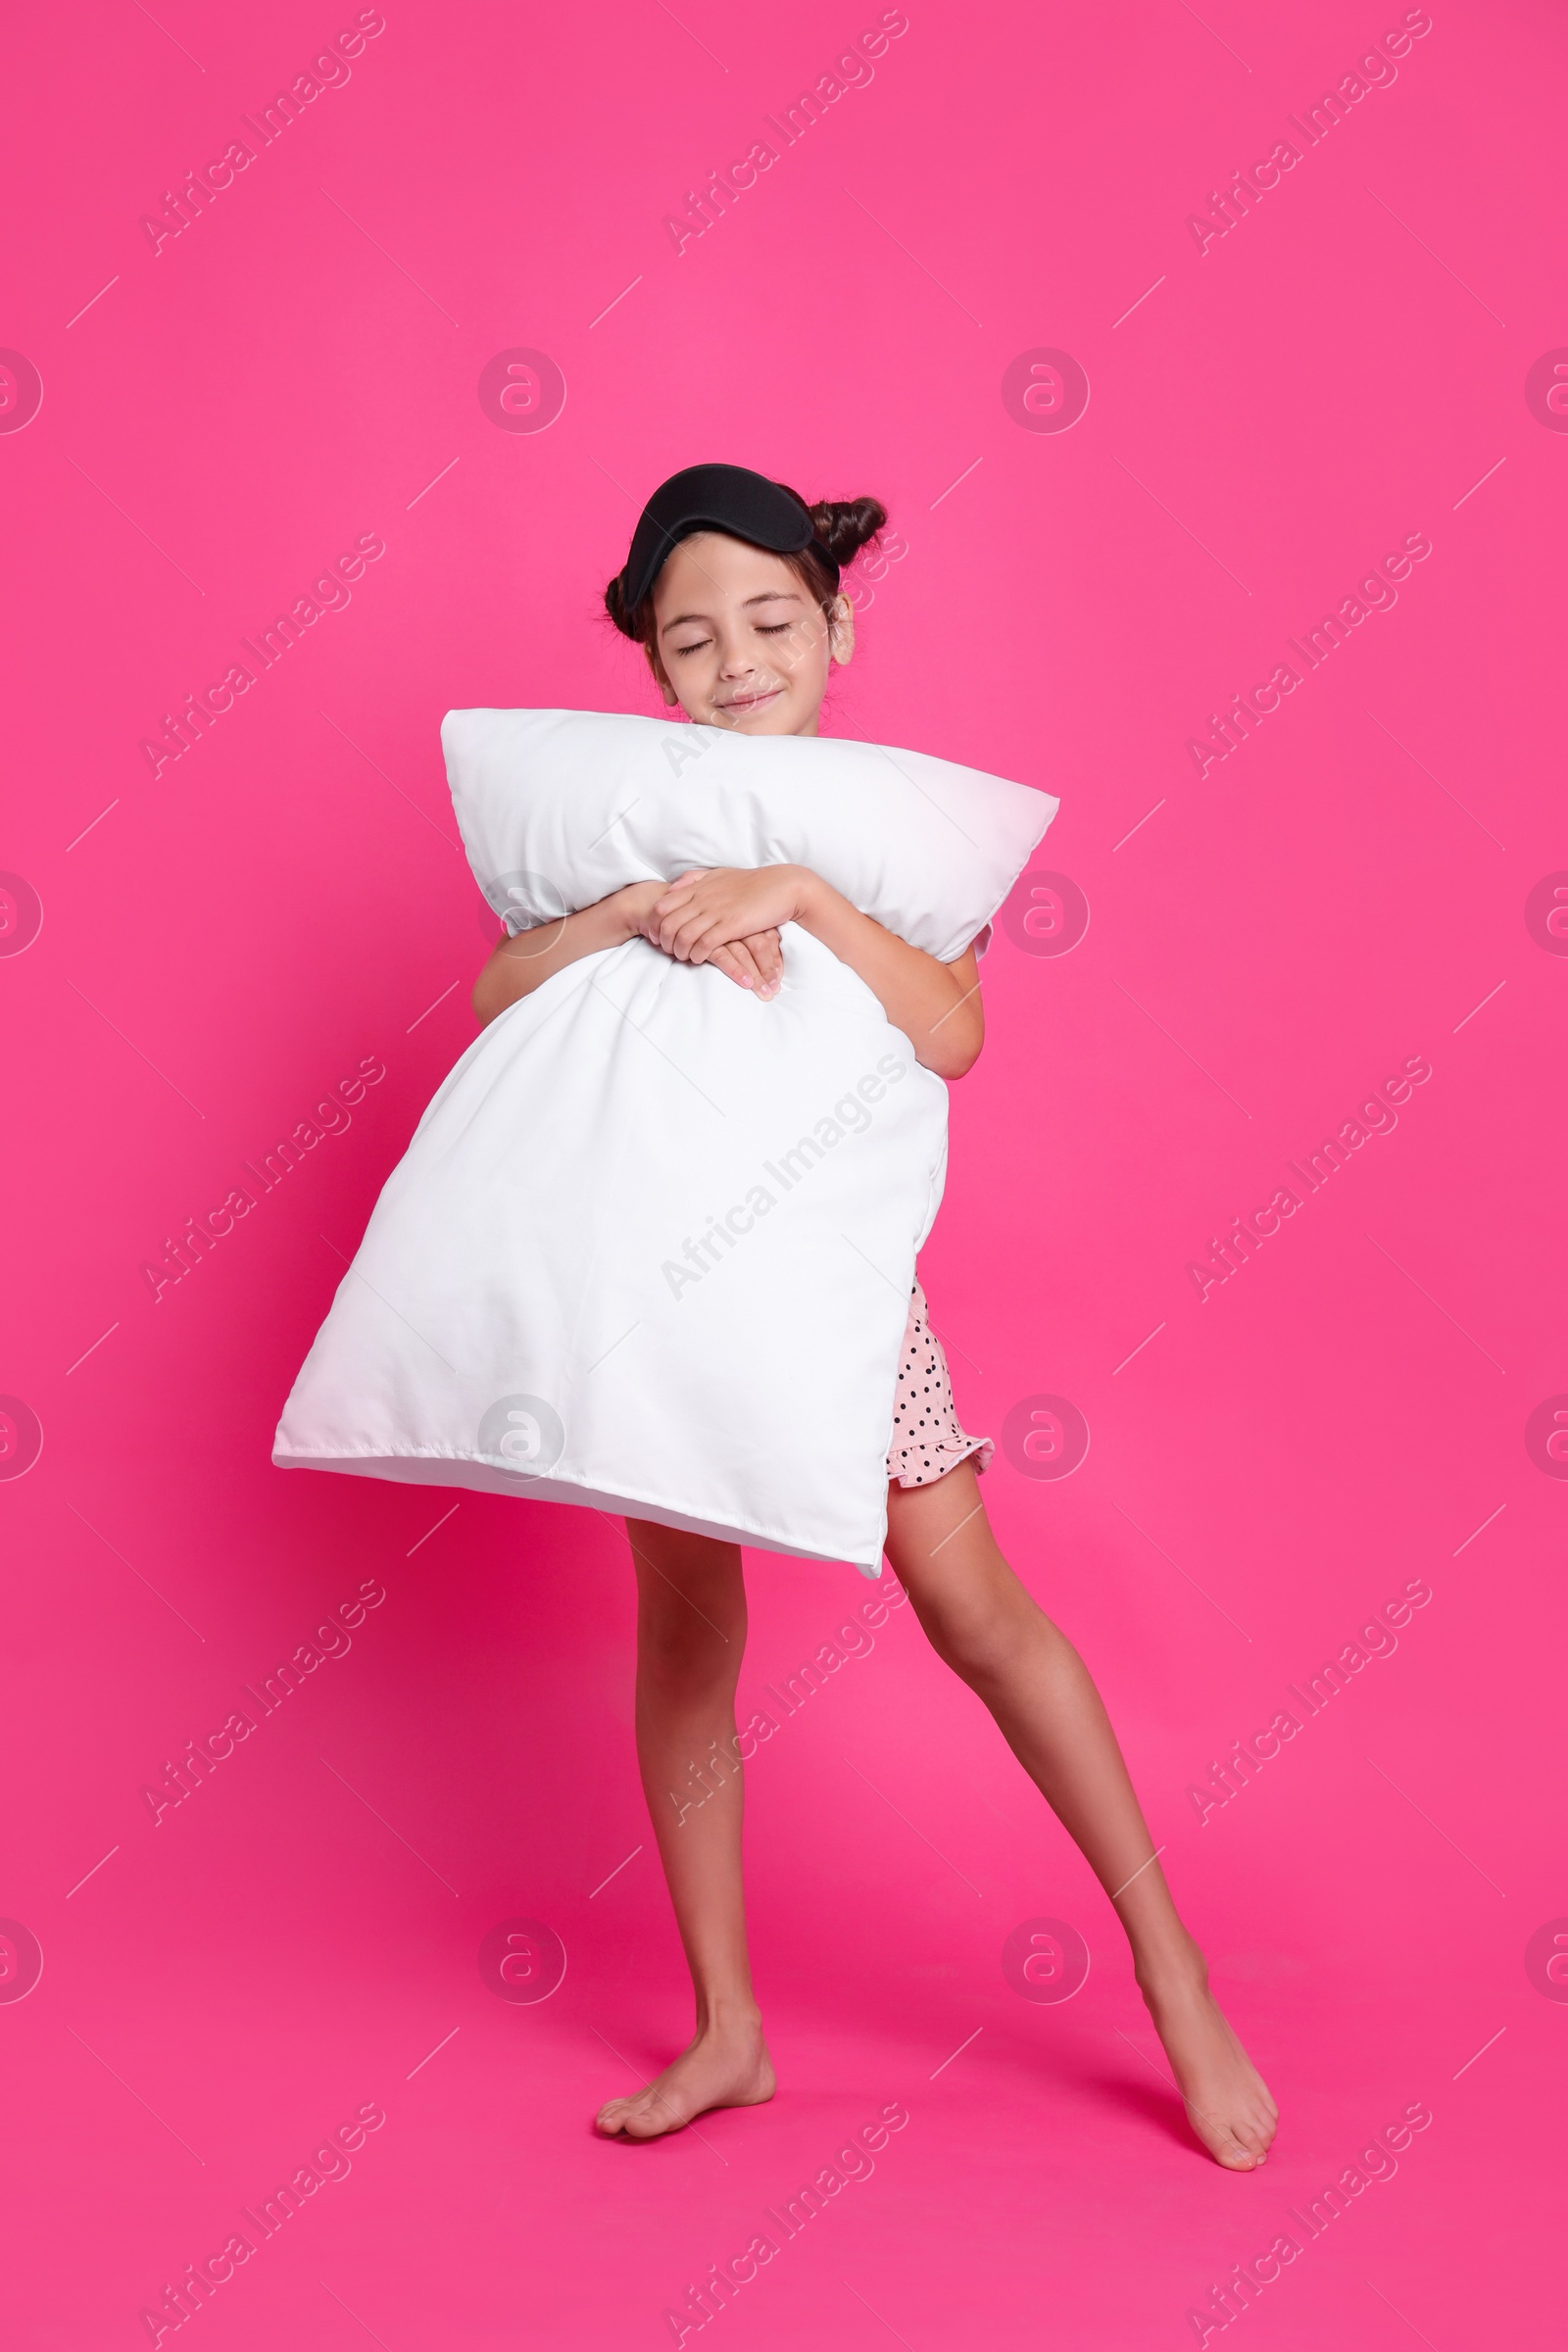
{"x":688,"y":1645}
{"x":678,"y":1651}
{"x":983,"y":1636}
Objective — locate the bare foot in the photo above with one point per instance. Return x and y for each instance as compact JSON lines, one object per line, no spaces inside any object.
{"x":724,"y":2066}
{"x":1226,"y":2098}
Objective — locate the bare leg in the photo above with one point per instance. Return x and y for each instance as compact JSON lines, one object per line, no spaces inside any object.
{"x":987,"y":1628}
{"x":691,"y":1631}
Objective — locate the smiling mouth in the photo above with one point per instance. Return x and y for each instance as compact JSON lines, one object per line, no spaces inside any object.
{"x":751,"y":702}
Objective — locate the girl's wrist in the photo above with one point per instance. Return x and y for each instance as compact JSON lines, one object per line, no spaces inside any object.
{"x":808,"y":895}
{"x":631,"y":903}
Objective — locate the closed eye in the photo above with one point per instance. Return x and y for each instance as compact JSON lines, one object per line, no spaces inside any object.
{"x":774,"y":628}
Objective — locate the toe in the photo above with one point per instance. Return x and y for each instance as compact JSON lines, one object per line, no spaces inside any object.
{"x":651,"y":2120}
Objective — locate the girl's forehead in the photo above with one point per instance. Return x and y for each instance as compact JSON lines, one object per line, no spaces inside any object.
{"x":713,"y":562}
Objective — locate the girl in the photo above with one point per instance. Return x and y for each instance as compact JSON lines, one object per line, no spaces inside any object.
{"x":732,"y":590}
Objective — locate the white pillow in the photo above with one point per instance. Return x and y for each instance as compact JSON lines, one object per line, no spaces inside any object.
{"x":560,"y":808}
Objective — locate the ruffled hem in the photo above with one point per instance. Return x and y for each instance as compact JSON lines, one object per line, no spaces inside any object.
{"x":929,"y":1438}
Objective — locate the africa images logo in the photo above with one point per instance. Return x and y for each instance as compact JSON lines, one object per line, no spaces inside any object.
{"x":522,"y":390}
{"x":20,"y":391}
{"x":522,"y":1960}
{"x":20,"y":914}
{"x":1046,"y":391}
{"x":1044,"y":1437}
{"x":521,"y":1435}
{"x":1545,"y":390}
{"x":1545,"y":1435}
{"x":20,"y":1960}
{"x":1045,"y":913}
{"x":1045,"y":1960}
{"x":20,"y":1437}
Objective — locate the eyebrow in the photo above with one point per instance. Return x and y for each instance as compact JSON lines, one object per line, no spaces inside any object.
{"x":768,"y":596}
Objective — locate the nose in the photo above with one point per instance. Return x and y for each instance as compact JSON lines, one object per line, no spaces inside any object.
{"x":735,"y":657}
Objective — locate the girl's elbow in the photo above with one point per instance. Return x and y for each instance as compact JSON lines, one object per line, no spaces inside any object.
{"x":963,"y":1038}
{"x":953,"y":1057}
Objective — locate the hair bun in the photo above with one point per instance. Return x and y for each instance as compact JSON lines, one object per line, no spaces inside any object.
{"x":615,"y":606}
{"x":844,"y":525}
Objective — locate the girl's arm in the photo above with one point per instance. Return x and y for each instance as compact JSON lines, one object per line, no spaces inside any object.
{"x":936,"y":1005}
{"x":523,"y":963}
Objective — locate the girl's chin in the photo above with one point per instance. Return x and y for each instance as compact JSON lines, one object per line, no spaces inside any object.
{"x":760,"y":719}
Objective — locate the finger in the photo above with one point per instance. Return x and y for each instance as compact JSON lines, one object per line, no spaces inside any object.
{"x":734,"y":966}
{"x":767,"y":952}
{"x":701,"y":941}
{"x":679,"y":935}
{"x":741,"y":949}
{"x":767,"y":968}
{"x":678,"y":906}
{"x":706,"y":932}
{"x":652,"y":932}
{"x":684,"y":884}
{"x":678,"y":895}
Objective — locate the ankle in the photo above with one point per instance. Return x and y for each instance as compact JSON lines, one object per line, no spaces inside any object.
{"x":1174,"y":1967}
{"x":733,"y":2018}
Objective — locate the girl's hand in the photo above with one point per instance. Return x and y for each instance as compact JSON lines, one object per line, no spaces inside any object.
{"x":705,"y":912}
{"x":757,"y":964}
{"x":520,"y":964}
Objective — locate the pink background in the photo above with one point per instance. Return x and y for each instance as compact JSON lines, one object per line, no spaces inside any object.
{"x":222,"y":943}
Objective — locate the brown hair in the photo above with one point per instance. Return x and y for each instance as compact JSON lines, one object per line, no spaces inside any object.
{"x":843,"y":525}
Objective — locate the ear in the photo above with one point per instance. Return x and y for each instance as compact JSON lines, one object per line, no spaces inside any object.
{"x":660,"y":678}
{"x":841,"y":630}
